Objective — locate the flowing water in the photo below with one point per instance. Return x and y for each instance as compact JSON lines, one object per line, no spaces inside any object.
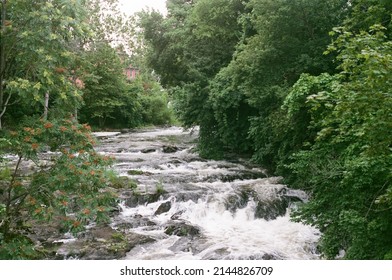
{"x":206,"y":209}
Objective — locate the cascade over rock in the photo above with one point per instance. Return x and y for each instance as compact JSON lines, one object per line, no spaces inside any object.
{"x":180,"y":206}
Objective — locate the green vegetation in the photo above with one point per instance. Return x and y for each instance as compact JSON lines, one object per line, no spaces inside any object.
{"x":349,"y":165}
{"x":302,"y":86}
{"x":159,"y":189}
{"x":135,"y":172}
{"x":58,"y":58}
{"x":59,"y":74}
{"x":112,"y":101}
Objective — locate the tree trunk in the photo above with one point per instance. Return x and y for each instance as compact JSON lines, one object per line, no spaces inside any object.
{"x":7,"y":222}
{"x":46,"y":108}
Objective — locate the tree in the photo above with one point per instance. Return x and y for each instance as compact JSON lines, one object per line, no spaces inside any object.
{"x":45,"y":37}
{"x":104,"y":85}
{"x":186,"y":51}
{"x":70,"y":189}
{"x":348,"y":168}
{"x":281,"y":40}
{"x":164,"y":40}
{"x":366,"y":13}
{"x":112,"y":101}
{"x":40,"y":45}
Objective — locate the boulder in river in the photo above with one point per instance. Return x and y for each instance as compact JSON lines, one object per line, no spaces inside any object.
{"x":135,"y":222}
{"x":228,"y":200}
{"x":102,"y":243}
{"x":135,"y":199}
{"x":169,"y":149}
{"x":148,"y":150}
{"x":182,"y":229}
{"x":163,"y":208}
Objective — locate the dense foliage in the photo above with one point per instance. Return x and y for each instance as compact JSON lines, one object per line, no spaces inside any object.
{"x":302,"y":86}
{"x":61,"y":69}
{"x":70,"y":188}
{"x":112,"y":101}
{"x":348,"y":169}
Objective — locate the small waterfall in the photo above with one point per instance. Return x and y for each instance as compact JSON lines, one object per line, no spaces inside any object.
{"x":209,"y":209}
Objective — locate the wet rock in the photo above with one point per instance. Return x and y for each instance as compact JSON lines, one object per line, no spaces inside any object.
{"x":237,"y":201}
{"x":242,"y":175}
{"x":196,"y":159}
{"x":163,"y":208}
{"x":102,"y":243}
{"x":135,"y":223}
{"x":182,"y":245}
{"x":45,"y":233}
{"x":105,"y":135}
{"x":148,"y":150}
{"x":175,"y":162}
{"x":269,"y":204}
{"x":185,"y":196}
{"x":126,"y":194}
{"x":177,"y":215}
{"x":190,"y":244}
{"x":125,"y":130}
{"x":270,"y":257}
{"x":169,"y":149}
{"x":182,"y":229}
{"x":270,"y":210}
{"x":218,"y":254}
{"x":278,"y":204}
{"x":137,"y":199}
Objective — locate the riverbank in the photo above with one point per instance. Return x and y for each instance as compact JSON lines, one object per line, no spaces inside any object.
{"x":172,"y":204}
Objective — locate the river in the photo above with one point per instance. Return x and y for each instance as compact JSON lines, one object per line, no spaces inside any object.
{"x":206,"y":209}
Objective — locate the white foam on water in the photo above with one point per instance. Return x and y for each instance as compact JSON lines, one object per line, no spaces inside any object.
{"x":244,"y":236}
{"x":239,"y":233}
{"x":105,"y":134}
{"x":224,"y":234}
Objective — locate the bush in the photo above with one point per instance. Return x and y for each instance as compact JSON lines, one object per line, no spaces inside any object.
{"x":70,"y":188}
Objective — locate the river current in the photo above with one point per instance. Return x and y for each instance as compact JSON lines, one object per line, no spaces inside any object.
{"x":206,"y":209}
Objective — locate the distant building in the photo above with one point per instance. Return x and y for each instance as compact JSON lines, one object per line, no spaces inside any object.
{"x":131,"y":72}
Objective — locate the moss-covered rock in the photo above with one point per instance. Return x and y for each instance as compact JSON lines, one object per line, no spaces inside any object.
{"x":182,"y":229}
{"x":102,"y":243}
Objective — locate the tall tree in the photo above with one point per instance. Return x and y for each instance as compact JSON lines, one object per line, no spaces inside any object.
{"x":348,"y":168}
{"x":186,"y":50}
{"x":281,"y":40}
{"x":40,"y":47}
{"x":104,"y":86}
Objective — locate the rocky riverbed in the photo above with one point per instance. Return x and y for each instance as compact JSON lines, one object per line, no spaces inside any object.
{"x":177,"y":205}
